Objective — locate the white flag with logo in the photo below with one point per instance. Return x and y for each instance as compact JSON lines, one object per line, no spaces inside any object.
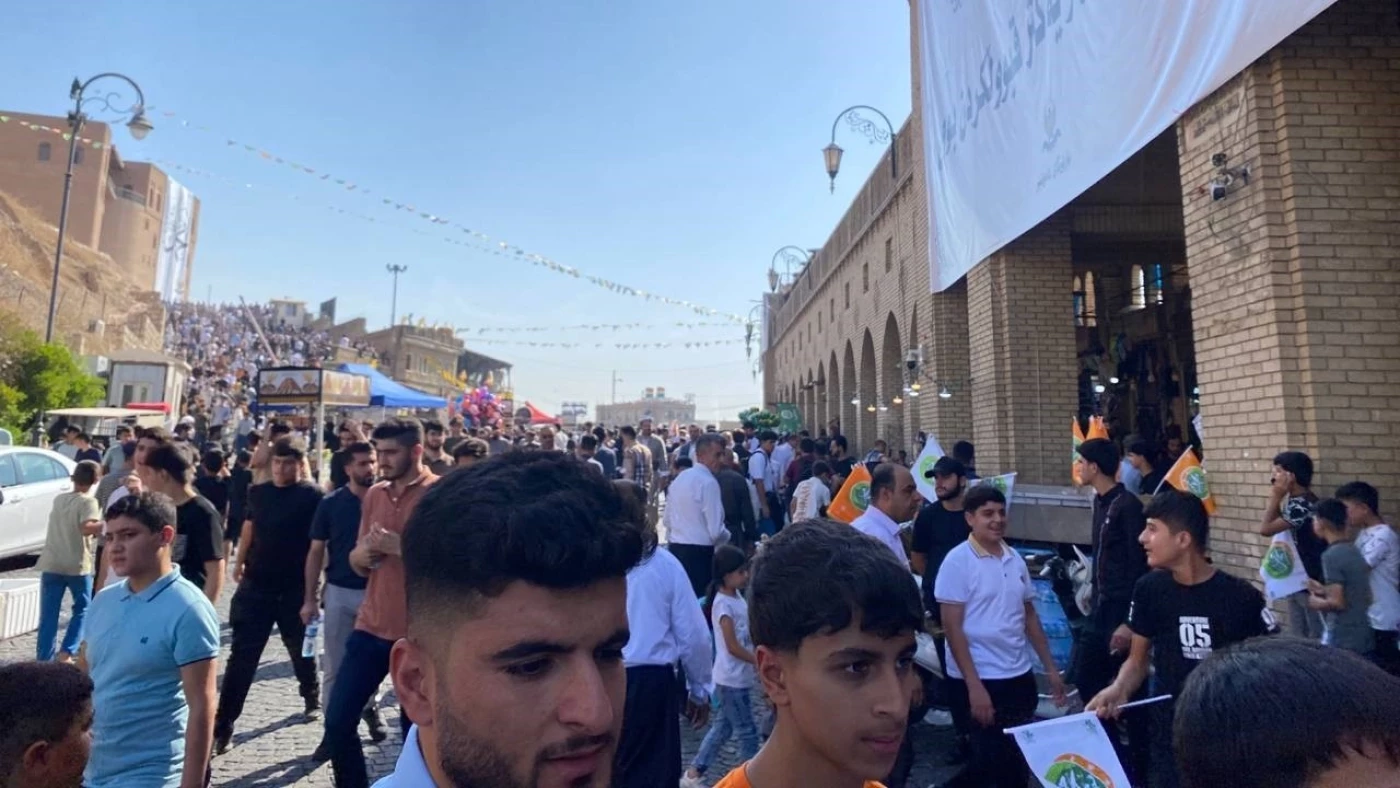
{"x":1282,"y":569}
{"x":1071,"y":752}
{"x":931,"y":454}
{"x":1005,"y":482}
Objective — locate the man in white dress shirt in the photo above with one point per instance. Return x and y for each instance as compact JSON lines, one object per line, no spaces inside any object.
{"x":667,"y":627}
{"x":894,"y":498}
{"x":695,"y":512}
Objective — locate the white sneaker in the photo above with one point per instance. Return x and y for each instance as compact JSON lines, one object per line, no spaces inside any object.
{"x":692,"y":782}
{"x":938,"y":718}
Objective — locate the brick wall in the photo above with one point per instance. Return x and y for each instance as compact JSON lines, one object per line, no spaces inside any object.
{"x":1295,"y":277}
{"x":1021,"y":351}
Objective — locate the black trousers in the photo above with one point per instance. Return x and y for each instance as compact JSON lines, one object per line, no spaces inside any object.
{"x":1163,"y":771}
{"x":1386,"y":656}
{"x":252,"y":612}
{"x":1093,"y":669}
{"x":698,"y":561}
{"x":995,"y":761}
{"x":649,"y":752}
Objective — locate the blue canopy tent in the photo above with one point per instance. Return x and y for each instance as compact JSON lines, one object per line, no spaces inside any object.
{"x":385,"y":392}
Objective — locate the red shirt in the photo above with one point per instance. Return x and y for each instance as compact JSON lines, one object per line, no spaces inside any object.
{"x":384,"y":613}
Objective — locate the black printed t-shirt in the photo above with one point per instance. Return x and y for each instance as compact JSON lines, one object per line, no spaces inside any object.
{"x":937,"y":530}
{"x":1187,"y":623}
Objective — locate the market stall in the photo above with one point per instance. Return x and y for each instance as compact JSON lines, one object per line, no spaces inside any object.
{"x":312,"y":389}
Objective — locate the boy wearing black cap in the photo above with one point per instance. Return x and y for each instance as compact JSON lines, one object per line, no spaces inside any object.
{"x":1119,"y":560}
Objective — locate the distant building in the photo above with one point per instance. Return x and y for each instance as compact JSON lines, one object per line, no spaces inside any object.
{"x":419,"y":357}
{"x":146,"y":221}
{"x":289,"y":312}
{"x":145,"y":376}
{"x":660,"y":410}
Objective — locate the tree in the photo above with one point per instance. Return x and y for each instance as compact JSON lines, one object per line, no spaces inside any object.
{"x":759,"y":419}
{"x":36,"y":376}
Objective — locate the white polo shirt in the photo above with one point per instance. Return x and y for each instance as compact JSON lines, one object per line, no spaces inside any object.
{"x":993,"y":591}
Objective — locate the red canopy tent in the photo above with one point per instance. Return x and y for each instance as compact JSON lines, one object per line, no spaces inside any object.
{"x":536,"y":416}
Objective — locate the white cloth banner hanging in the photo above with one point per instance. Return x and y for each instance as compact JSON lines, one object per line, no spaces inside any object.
{"x":1027,"y":103}
{"x":1071,"y":752}
{"x":931,"y":453}
{"x":1282,"y":569}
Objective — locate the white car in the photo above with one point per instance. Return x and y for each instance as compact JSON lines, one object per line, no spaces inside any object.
{"x":30,"y":478}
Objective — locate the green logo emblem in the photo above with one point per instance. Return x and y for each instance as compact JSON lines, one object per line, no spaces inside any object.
{"x":999,"y":482}
{"x":1278,"y":562}
{"x":860,"y":495}
{"x":1076,"y":771}
{"x":1196,"y":484}
{"x":926,"y":465}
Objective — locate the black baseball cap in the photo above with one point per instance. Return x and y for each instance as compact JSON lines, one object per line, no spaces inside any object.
{"x":946,"y":466}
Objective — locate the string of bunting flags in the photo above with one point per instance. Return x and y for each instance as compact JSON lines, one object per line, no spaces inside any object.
{"x":485,"y":242}
{"x":617,"y":345}
{"x":587,"y":327}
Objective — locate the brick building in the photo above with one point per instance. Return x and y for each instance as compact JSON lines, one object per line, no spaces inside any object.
{"x":420,"y":357}
{"x":1274,"y":314}
{"x":116,"y":206}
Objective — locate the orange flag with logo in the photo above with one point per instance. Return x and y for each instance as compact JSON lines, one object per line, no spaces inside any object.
{"x":1074,"y":452}
{"x":1188,"y":475}
{"x":853,"y":498}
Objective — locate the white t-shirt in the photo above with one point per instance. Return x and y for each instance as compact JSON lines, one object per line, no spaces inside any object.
{"x":993,"y":591}
{"x":1381,"y":548}
{"x":809,"y":498}
{"x":730,"y":671}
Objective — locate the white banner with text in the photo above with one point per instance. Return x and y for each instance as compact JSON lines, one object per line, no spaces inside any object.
{"x":1027,"y":103}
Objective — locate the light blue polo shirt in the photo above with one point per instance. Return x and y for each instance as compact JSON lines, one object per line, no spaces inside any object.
{"x":136,"y":645}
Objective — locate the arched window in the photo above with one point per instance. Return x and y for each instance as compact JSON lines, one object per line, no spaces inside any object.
{"x":45,"y":151}
{"x":865,"y":277}
{"x":1139,"y":285}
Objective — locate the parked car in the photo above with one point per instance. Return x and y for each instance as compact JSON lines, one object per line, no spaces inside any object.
{"x":30,"y":479}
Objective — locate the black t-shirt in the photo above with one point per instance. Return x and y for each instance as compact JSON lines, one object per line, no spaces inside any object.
{"x":936,"y":532}
{"x":214,"y":489}
{"x":843,"y":467}
{"x":199,"y":538}
{"x":88,"y":454}
{"x":282,"y":519}
{"x":1187,"y":623}
{"x":337,"y":523}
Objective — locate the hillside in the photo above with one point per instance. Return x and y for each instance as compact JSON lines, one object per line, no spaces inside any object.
{"x":99,"y":310}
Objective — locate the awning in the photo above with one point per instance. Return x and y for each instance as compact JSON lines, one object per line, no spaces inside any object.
{"x":537,"y":416}
{"x":386,"y":392}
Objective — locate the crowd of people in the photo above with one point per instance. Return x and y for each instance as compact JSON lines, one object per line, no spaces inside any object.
{"x":617,"y":580}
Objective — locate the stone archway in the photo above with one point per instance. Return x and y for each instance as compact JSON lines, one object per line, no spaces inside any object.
{"x":892,"y":388}
{"x":913,"y":414}
{"x":850,"y":399}
{"x":809,"y":402}
{"x":869,"y":397}
{"x":816,"y":421}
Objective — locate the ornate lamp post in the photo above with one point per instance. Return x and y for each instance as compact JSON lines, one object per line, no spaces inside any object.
{"x":862,"y":125}
{"x":139,"y":127}
{"x":801,"y":258}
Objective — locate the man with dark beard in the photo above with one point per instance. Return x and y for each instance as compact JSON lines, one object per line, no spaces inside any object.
{"x":512,"y":666}
{"x":385,"y":513}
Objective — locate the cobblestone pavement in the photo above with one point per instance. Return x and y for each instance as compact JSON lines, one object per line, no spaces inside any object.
{"x":273,"y":739}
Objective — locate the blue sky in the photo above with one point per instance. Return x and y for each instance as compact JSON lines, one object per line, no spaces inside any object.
{"x":670,"y":147}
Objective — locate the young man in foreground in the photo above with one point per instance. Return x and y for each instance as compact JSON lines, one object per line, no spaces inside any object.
{"x":512,"y":667}
{"x":1180,"y":614}
{"x":1295,"y":714}
{"x":152,"y":648}
{"x":842,"y":638}
{"x":45,"y":725}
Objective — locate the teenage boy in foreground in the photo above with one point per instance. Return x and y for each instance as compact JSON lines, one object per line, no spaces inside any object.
{"x":151,"y":647}
{"x":1180,"y":614}
{"x":838,"y":638}
{"x":45,"y":724}
{"x":1330,"y":719}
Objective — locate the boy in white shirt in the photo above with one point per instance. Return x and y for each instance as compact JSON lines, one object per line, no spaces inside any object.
{"x":1380,"y":546}
{"x":811,"y":497}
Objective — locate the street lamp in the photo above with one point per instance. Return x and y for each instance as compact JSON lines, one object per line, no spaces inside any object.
{"x":394,"y":269}
{"x":802,"y":258}
{"x":139,"y":127}
{"x":862,"y":125}
{"x":748,"y":331}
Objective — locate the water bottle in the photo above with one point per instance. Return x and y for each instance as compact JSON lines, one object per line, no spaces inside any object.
{"x":308,"y":643}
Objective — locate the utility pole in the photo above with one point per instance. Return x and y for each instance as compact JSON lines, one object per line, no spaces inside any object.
{"x":395,"y":269}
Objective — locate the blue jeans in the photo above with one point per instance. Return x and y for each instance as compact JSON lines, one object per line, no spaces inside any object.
{"x":51,"y":589}
{"x":735,"y":718}
{"x":363,"y":667}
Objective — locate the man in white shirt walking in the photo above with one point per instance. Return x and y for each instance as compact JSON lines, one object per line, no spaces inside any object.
{"x":813,"y":495}
{"x":695,"y":512}
{"x":667,"y":627}
{"x":894,"y":499}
